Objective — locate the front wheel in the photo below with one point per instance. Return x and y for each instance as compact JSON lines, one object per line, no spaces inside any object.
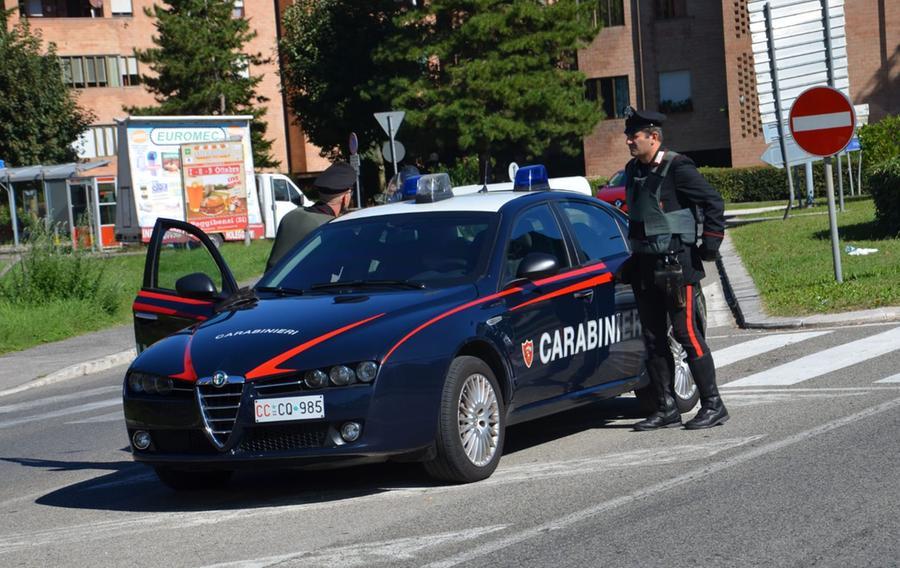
{"x":471,"y":423}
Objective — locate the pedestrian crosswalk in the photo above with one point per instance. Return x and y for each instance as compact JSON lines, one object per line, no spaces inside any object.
{"x":753,"y":369}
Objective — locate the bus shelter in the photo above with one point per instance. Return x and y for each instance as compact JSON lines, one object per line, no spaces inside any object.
{"x":66,"y":197}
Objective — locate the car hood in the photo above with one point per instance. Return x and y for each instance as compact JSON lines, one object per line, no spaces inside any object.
{"x":281,"y":334}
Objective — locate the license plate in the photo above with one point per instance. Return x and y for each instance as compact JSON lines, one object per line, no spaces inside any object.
{"x":289,"y":408}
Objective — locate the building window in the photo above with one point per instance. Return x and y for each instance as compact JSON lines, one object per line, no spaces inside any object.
{"x":59,"y":9}
{"x":97,"y":142}
{"x":613,"y":91}
{"x":675,"y":92}
{"x":668,"y":9}
{"x":83,"y":71}
{"x":609,"y":13}
{"x":238,"y":9}
{"x":120,"y":7}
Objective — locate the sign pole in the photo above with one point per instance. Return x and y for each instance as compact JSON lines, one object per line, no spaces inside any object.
{"x":840,"y":162}
{"x":773,"y":68}
{"x":809,"y":183}
{"x":829,"y":177}
{"x":391,"y":136}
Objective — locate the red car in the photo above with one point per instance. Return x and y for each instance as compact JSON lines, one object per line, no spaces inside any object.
{"x":614,"y":191}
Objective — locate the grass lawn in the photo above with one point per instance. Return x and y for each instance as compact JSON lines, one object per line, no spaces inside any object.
{"x":819,"y":201}
{"x":26,"y":325}
{"x":791,"y":264}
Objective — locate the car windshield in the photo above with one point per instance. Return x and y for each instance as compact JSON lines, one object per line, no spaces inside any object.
{"x":617,"y":180}
{"x":403,"y":251}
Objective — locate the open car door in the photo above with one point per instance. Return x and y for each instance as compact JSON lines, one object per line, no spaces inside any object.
{"x":185,"y":280}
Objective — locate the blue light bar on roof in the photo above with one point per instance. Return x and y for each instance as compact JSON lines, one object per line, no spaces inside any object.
{"x":433,"y":187}
{"x":531,"y":178}
{"x":410,"y":187}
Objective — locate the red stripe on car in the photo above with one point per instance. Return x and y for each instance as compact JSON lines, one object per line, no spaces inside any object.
{"x":447,"y":314}
{"x":590,"y":282}
{"x":566,"y":275}
{"x":271,"y":367}
{"x":189,"y":374}
{"x":141,"y":307}
{"x":172,"y":298}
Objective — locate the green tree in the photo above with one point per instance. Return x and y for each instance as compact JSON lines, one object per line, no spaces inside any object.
{"x":495,"y":77}
{"x":199,"y":67}
{"x":329,"y":72}
{"x":39,"y":117}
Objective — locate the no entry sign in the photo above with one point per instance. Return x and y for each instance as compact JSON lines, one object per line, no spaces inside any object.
{"x":822,"y":121}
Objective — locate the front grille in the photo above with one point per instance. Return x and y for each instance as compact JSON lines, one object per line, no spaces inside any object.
{"x":282,"y":386}
{"x":284,"y":438}
{"x":219,"y":407}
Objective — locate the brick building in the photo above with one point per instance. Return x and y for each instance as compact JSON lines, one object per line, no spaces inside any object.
{"x":693,"y":61}
{"x":96,"y":39}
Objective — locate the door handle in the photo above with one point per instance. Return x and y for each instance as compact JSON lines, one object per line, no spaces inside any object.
{"x":146,"y":316}
{"x":586,"y":294}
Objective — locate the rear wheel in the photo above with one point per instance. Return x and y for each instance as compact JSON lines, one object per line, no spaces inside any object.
{"x":471,"y":423}
{"x":217,"y":239}
{"x":181,"y":480}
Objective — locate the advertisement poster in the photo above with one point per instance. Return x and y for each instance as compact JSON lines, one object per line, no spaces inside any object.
{"x":155,"y":147}
{"x":215,"y":185}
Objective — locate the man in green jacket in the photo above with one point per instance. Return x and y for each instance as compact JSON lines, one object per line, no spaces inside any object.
{"x":334,"y":185}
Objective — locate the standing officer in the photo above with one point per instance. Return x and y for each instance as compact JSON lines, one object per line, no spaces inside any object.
{"x":334,"y":185}
{"x":665,"y":195}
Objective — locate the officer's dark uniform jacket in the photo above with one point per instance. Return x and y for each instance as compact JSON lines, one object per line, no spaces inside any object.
{"x":295,"y":226}
{"x":667,"y":199}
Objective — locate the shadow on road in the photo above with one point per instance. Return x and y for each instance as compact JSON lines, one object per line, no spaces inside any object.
{"x":128,"y":486}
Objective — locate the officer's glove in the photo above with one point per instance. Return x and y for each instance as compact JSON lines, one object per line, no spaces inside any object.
{"x":708,"y":252}
{"x":625,"y":273}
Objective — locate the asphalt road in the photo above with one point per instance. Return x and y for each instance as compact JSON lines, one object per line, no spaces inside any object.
{"x":804,"y":474}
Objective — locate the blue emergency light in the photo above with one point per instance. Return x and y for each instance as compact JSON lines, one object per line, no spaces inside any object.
{"x":410,"y":186}
{"x":433,"y":187}
{"x":531,"y":178}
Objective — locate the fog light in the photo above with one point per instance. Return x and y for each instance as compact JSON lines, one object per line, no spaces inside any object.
{"x":141,"y":439}
{"x":315,"y":379}
{"x":135,"y":383}
{"x":341,"y":375}
{"x":366,"y":371}
{"x":350,"y":431}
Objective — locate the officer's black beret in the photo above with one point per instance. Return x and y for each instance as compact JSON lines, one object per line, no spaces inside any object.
{"x":338,"y":178}
{"x":636,"y":120}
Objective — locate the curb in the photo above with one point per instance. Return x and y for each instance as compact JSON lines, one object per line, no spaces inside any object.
{"x":77,"y":370}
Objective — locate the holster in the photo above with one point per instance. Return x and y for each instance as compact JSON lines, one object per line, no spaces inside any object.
{"x":668,"y":276}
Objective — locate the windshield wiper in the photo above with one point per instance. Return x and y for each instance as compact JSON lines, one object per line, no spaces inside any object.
{"x":281,"y":291}
{"x":365,"y":283}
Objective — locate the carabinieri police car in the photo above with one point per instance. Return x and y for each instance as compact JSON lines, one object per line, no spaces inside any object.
{"x":414,"y":331}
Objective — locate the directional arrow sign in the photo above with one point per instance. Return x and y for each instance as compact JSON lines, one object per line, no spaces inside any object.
{"x":796,"y":155}
{"x":391,"y":126}
{"x":822,"y":121}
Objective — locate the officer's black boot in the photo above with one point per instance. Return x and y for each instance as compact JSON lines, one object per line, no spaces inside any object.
{"x":712,"y":410}
{"x":661,"y":379}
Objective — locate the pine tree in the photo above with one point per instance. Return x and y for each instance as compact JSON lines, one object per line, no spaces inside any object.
{"x":199,"y":67}
{"x":39,"y":117}
{"x":495,"y":77}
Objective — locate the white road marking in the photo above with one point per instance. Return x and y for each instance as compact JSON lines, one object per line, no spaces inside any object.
{"x":822,"y":121}
{"x":822,"y":389}
{"x":735,"y":400}
{"x":891,"y":379}
{"x":117,"y":416}
{"x":823,"y":362}
{"x":46,"y":401}
{"x":706,"y":470}
{"x":62,"y":412}
{"x":366,"y":553}
{"x":754,"y":347}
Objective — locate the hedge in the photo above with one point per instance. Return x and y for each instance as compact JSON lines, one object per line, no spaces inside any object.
{"x":884,"y":183}
{"x":880,"y":142}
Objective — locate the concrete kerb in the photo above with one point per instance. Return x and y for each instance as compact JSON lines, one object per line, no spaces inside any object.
{"x":75,"y":371}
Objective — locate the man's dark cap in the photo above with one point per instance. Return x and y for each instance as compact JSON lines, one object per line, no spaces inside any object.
{"x":338,"y":178}
{"x":636,"y":120}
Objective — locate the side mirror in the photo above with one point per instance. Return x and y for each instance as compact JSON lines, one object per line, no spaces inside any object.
{"x":537,"y":265}
{"x":196,"y":285}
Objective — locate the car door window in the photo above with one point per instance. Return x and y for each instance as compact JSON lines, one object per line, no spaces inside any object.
{"x":281,"y":190}
{"x":296,"y":198}
{"x":182,"y":254}
{"x":536,"y":230}
{"x":597,"y":235}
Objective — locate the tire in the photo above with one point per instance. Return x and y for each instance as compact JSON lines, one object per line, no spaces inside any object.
{"x":686,"y":394}
{"x":180,"y":480}
{"x":471,"y":379}
{"x":217,"y":239}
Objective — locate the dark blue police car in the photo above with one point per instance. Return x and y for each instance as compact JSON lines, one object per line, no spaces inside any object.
{"x":414,"y":331}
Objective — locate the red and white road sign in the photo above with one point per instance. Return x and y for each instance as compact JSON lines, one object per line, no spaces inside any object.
{"x":822,"y":121}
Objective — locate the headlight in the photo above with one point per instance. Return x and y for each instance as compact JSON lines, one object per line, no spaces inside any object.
{"x":150,"y":384}
{"x":135,"y":382}
{"x":315,"y":379}
{"x":366,"y":371}
{"x":341,"y":375}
